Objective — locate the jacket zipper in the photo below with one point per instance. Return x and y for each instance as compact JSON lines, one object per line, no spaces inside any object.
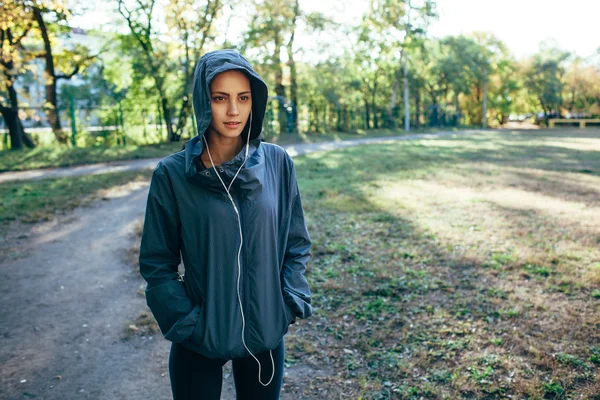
{"x":242,"y":257}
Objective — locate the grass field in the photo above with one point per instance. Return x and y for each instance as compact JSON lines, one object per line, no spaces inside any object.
{"x":454,"y":268}
{"x":41,"y":200}
{"x":63,"y":156}
{"x":51,"y":157}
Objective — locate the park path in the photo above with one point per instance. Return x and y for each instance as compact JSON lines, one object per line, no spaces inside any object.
{"x":67,"y":296}
{"x":132,"y":165}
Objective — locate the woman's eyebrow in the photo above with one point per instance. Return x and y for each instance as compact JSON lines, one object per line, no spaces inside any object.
{"x":227,"y":94}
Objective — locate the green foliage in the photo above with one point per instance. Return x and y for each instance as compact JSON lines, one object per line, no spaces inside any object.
{"x":571,"y":360}
{"x":146,"y":74}
{"x":544,"y":77}
{"x":553,"y":389}
{"x":537,"y":270}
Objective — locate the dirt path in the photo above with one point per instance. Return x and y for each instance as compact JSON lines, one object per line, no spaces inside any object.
{"x":65,"y":308}
{"x":67,"y":297}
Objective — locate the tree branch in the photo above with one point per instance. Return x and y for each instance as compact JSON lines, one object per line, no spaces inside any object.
{"x":134,"y":27}
{"x":77,"y":67}
{"x":17,"y":43}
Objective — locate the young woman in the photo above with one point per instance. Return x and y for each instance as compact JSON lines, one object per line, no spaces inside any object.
{"x":229,"y":206}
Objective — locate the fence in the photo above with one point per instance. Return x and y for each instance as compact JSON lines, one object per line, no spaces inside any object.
{"x":118,"y":125}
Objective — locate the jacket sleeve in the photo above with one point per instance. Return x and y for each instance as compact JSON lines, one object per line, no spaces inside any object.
{"x":296,"y":292}
{"x":159,"y":259}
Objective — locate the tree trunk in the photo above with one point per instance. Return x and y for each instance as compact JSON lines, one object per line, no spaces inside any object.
{"x":11,"y":118}
{"x":160,"y":117}
{"x":572,"y":100}
{"x":435,"y":110}
{"x":433,"y":120}
{"x":279,"y":88}
{"x":457,"y":109}
{"x":184,"y":113}
{"x":367,"y":114}
{"x":173,"y":136}
{"x":393,"y":102}
{"x":374,"y":105}
{"x":51,"y":108}
{"x":26,"y":138}
{"x":375,"y":118}
{"x":293,"y":89}
{"x":484,"y":107}
{"x":185,"y":109}
{"x":345,"y":119}
{"x":417,"y":107}
{"x":18,"y":136}
{"x":292,"y":66}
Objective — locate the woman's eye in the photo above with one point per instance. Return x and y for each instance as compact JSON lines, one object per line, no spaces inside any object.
{"x":244,"y":98}
{"x":219,"y":98}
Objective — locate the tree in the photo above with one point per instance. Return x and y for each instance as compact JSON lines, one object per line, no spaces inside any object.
{"x":582,"y":87}
{"x":15,"y":25}
{"x":155,"y":56}
{"x":315,"y":22}
{"x":272,"y":21}
{"x":545,"y":79}
{"x":470,"y":64}
{"x":71,"y":60}
{"x":192,"y":29}
{"x":395,"y":27}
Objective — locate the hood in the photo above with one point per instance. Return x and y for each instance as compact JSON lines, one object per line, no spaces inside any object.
{"x":210,"y":65}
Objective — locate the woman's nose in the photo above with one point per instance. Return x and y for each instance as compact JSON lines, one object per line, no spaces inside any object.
{"x":233,"y":108}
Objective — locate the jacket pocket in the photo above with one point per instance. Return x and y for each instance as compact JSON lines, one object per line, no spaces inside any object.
{"x":195,"y":340}
{"x":199,"y":329}
{"x":174,"y":311}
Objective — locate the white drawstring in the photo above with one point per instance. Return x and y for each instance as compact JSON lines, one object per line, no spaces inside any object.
{"x":240,"y":250}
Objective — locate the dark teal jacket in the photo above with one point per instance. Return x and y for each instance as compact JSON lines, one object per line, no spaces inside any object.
{"x":189,"y":217}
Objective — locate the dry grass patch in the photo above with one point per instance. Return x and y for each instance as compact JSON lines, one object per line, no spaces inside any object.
{"x":468,"y":268}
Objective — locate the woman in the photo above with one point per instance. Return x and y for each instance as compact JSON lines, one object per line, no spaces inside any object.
{"x":229,"y":204}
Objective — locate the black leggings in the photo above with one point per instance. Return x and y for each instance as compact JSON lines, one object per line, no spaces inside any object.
{"x":195,"y":377}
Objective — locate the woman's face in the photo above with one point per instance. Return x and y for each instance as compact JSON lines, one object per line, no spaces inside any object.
{"x":231,"y":103}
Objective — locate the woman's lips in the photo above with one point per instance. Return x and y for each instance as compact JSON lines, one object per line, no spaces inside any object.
{"x":232,"y":125}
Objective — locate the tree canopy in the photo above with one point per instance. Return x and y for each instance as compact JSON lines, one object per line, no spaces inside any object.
{"x":148,"y":65}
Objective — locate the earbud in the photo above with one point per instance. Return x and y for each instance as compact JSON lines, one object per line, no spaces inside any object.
{"x":240,"y":249}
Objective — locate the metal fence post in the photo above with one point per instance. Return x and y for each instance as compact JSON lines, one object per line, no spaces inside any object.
{"x":73,"y":123}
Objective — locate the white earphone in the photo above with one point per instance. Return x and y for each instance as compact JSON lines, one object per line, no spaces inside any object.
{"x":240,"y":249}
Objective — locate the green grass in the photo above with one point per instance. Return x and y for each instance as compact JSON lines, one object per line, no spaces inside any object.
{"x":41,"y":200}
{"x":313,"y":137}
{"x":55,"y":156}
{"x":51,"y":157}
{"x":462,"y":267}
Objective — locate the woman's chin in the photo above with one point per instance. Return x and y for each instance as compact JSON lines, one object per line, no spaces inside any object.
{"x":230,"y":134}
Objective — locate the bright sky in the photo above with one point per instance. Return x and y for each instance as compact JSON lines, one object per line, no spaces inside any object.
{"x":521,"y":24}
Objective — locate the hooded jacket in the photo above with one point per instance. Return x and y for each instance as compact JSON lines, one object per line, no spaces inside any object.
{"x":189,"y":217}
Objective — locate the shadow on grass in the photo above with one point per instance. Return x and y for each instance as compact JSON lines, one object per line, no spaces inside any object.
{"x":400,"y":313}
